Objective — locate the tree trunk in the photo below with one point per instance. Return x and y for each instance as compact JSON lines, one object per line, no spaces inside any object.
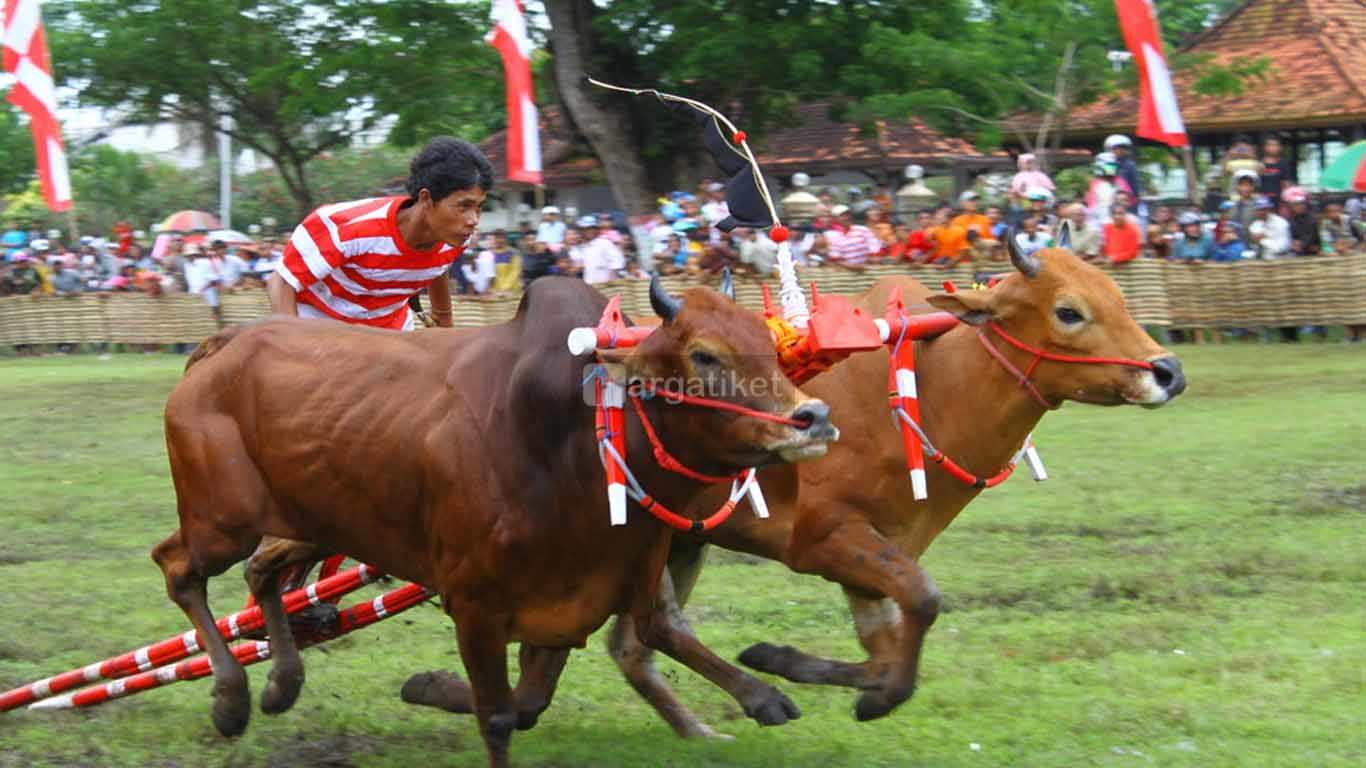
{"x":607,"y":130}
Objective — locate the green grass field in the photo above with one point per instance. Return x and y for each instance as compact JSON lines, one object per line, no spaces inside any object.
{"x":1186,"y":590}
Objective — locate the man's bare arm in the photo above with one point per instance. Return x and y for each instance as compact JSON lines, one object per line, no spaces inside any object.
{"x":282,"y":299}
{"x":439,"y":294}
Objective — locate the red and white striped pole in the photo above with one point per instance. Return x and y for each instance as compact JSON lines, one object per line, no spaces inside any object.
{"x":353,"y":618}
{"x":186,"y":644}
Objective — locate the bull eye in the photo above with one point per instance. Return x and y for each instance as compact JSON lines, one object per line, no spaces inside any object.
{"x":703,"y":358}
{"x":1068,"y":316}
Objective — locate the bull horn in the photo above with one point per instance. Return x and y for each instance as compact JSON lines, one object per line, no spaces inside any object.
{"x":1065,"y":234}
{"x":661,"y":302}
{"x":1029,"y":266}
{"x":727,"y":288}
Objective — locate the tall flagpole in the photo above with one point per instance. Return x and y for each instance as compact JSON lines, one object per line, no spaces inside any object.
{"x":225,"y":172}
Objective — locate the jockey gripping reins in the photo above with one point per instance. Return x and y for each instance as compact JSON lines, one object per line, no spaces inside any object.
{"x":742,"y":482}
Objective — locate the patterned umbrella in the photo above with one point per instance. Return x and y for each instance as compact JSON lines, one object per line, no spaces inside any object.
{"x":1348,"y":171}
{"x":189,"y":221}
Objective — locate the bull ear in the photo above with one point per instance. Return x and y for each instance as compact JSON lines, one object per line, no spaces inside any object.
{"x":727,"y":287}
{"x":1065,"y":234}
{"x":972,"y":307}
{"x":1029,"y":266}
{"x":661,"y":302}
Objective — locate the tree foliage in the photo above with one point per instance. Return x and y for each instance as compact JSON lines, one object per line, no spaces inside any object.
{"x":16,"y":152}
{"x":298,"y":79}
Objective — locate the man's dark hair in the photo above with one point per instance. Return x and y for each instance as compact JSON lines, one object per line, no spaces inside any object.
{"x":217,"y":244}
{"x":446,"y":165}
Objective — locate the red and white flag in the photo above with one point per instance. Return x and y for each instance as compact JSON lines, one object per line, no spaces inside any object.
{"x":524,"y":139}
{"x":1159,"y":116}
{"x":26,"y":57}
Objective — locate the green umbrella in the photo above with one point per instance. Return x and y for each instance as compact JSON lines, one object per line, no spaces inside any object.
{"x":1348,"y":171}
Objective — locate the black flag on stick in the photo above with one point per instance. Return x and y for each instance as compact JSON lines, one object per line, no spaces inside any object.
{"x":746,"y":204}
{"x":746,"y":196}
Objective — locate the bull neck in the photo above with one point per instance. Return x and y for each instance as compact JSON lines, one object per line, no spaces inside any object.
{"x":973,"y":409}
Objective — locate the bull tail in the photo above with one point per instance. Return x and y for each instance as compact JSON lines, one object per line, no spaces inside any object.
{"x":212,"y":345}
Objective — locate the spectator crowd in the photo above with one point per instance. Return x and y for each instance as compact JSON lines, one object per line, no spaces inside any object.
{"x":1255,"y":211}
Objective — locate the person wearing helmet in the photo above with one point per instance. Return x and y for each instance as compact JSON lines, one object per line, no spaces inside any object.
{"x":1123,"y":150}
{"x":1193,"y":244}
{"x":1041,"y":208}
{"x":1103,"y":190}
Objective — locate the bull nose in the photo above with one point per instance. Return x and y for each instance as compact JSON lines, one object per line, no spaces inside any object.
{"x":1167,"y":371}
{"x":814,"y":416}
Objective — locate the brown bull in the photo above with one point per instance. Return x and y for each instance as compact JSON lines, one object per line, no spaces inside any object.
{"x":850,"y":516}
{"x":463,"y":461}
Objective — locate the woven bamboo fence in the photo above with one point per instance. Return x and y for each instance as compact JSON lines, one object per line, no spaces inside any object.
{"x":1327,"y":290}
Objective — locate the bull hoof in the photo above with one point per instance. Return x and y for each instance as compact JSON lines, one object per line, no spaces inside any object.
{"x":773,"y":709}
{"x":501,"y":725}
{"x":440,"y":689}
{"x":231,"y":711}
{"x":281,"y":692}
{"x":872,"y":705}
{"x":766,"y":657}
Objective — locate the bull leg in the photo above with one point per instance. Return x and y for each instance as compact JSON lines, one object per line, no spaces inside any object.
{"x":877,"y":622}
{"x":186,"y":583}
{"x":859,"y":558}
{"x":540,"y":675}
{"x":273,"y":558}
{"x":636,"y":660}
{"x":661,"y":626}
{"x":483,"y":649}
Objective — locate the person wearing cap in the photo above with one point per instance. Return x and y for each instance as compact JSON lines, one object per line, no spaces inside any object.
{"x":1123,"y":150}
{"x":204,"y":277}
{"x":715,"y":209}
{"x":851,"y":244}
{"x":40,"y":254}
{"x":1228,"y":242}
{"x":25,"y":278}
{"x":551,"y":229}
{"x":1304,"y":229}
{"x":1269,"y":233}
{"x":65,"y":280}
{"x":971,"y":218}
{"x":602,"y":259}
{"x":1193,"y":244}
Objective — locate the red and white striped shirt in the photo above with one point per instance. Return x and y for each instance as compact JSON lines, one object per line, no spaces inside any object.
{"x":348,"y":262}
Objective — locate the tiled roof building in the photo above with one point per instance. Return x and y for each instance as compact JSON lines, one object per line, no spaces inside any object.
{"x":1316,"y":74}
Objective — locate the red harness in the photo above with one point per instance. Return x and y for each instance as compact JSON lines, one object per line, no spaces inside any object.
{"x":611,"y":445}
{"x":905,"y":405}
{"x":1040,"y":355}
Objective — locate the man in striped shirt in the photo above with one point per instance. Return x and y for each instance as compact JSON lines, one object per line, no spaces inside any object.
{"x":360,"y":262}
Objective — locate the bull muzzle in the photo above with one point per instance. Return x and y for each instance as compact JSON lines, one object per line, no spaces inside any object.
{"x":812,"y":435}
